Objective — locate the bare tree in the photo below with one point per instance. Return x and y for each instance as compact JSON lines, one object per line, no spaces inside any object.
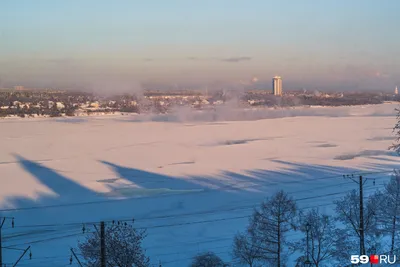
{"x":323,"y":237}
{"x":391,"y":210}
{"x":269,"y":225}
{"x":207,"y":259}
{"x":348,"y":213}
{"x":246,"y":250}
{"x":123,"y":247}
{"x":345,"y":246}
{"x":300,"y":261}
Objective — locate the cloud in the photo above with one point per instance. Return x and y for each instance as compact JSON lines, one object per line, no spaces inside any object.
{"x":236,"y":59}
{"x":148,"y":59}
{"x":193,"y":58}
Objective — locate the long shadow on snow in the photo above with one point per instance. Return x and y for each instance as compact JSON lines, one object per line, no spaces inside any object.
{"x":59,"y":184}
{"x":63,"y":191}
{"x":223,"y":202}
{"x":150,"y":180}
{"x":234,"y":193}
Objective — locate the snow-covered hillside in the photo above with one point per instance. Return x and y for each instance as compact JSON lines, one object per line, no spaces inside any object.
{"x":191,"y":180}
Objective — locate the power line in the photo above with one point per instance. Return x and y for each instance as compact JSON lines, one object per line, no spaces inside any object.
{"x":215,"y":220}
{"x":73,"y":233}
{"x":162,"y":254}
{"x":3,"y":220}
{"x":1,"y":244}
{"x":300,"y":181}
{"x":174,"y":224}
{"x":195,"y":222}
{"x":47,"y":239}
{"x":198,"y":213}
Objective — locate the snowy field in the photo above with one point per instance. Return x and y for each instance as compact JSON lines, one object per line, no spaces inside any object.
{"x":191,"y":179}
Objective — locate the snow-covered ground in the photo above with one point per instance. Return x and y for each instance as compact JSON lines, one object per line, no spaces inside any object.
{"x":191,"y":179}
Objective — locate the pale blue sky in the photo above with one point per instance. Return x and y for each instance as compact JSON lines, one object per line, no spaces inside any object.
{"x":311,"y":43}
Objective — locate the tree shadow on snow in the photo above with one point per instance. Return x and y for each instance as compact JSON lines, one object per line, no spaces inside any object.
{"x":196,"y":212}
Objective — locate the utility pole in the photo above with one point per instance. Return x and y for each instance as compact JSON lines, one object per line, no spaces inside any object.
{"x":361,"y":229}
{"x":102,"y":245}
{"x":362,"y":245}
{"x":1,"y":244}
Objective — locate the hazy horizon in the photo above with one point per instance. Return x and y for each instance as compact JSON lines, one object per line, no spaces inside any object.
{"x":315,"y":45}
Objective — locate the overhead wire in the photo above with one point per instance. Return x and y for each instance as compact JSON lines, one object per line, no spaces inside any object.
{"x":210,"y":212}
{"x":198,"y":213}
{"x":188,"y":193}
{"x":181,"y":224}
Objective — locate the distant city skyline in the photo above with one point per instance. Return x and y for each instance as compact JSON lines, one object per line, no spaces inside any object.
{"x":349,"y":45}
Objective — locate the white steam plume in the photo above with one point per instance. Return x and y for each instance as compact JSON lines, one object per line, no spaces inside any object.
{"x":230,"y":112}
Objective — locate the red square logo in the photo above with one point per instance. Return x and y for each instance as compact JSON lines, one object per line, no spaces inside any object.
{"x":374,"y":259}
